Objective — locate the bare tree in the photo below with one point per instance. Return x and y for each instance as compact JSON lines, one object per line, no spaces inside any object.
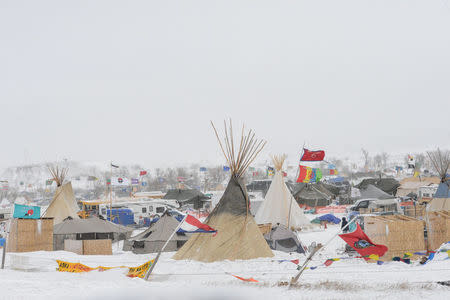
{"x":441,"y":162}
{"x":366,"y":158}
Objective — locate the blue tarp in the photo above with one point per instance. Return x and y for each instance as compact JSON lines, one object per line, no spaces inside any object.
{"x":2,"y":241}
{"x":330,"y":218}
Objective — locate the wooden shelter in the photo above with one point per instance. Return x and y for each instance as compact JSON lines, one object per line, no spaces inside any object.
{"x":30,"y":235}
{"x":238,"y":236}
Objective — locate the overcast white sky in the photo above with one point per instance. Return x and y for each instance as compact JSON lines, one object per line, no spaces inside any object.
{"x":138,"y":81}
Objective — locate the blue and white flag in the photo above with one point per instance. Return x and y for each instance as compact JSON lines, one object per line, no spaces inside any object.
{"x":26,"y":211}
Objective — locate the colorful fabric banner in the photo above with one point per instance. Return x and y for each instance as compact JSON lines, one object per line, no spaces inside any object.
{"x":202,"y":169}
{"x":26,"y":211}
{"x":92,"y":178}
{"x":134,"y":181}
{"x":251,"y":279}
{"x":226,"y":168}
{"x":308,"y":174}
{"x":192,"y":225}
{"x":308,"y":155}
{"x":49,"y":182}
{"x":270,"y":171}
{"x":140,"y":271}
{"x":142,"y":173}
{"x":359,"y":241}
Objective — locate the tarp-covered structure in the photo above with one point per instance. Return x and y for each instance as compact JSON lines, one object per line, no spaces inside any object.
{"x":191,"y":197}
{"x":154,"y":237}
{"x":279,"y":206}
{"x":312,"y":194}
{"x":371,"y":191}
{"x":281,"y":238}
{"x":63,"y":204}
{"x":388,"y":185}
{"x":88,"y":229}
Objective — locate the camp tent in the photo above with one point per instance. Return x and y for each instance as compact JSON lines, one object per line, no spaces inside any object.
{"x":64,"y":203}
{"x":371,"y":191}
{"x":87,"y":229}
{"x":312,"y":194}
{"x":186,"y":197}
{"x":281,"y":238}
{"x":238,"y":236}
{"x":279,"y":206}
{"x":153,"y":239}
{"x":388,"y":185}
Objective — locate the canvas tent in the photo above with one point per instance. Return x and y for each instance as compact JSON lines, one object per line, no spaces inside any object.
{"x":312,"y":194}
{"x":64,"y":203}
{"x":87,"y":229}
{"x":238,"y":236}
{"x":281,"y":238}
{"x":279,"y":206}
{"x":371,"y":191}
{"x":153,"y":239}
{"x":186,"y":197}
{"x":388,"y":185}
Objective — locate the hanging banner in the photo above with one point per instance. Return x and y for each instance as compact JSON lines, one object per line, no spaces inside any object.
{"x":120,"y":181}
{"x":26,"y":211}
{"x":140,"y":271}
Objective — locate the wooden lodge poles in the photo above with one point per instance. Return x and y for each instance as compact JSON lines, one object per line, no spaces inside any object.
{"x":249,"y":148}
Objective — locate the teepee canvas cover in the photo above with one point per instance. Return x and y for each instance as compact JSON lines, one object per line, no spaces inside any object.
{"x":441,"y":163}
{"x":64,"y":203}
{"x":279,"y":206}
{"x":238,"y":236}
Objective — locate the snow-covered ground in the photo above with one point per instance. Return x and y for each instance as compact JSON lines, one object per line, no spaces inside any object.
{"x":34,"y":275}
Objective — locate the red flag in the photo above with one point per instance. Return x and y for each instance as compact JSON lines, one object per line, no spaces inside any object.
{"x":359,"y":241}
{"x":313,"y":155}
{"x":142,"y":173}
{"x":251,"y":279}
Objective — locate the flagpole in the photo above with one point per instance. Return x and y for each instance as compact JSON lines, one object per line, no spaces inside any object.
{"x":315,"y":251}
{"x":163,"y":247}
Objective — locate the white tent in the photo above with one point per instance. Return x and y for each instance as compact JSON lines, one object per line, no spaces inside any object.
{"x":279,"y":206}
{"x":64,"y":203}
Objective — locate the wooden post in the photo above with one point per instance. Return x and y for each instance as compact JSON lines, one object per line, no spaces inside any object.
{"x":162,"y":249}
{"x":314,"y":252}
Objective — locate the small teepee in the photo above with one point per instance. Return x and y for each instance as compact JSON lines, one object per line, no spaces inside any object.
{"x":279,"y":206}
{"x":238,"y":236}
{"x":441,"y":163}
{"x":64,"y":203}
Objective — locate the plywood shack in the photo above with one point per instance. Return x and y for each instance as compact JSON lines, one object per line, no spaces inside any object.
{"x":438,"y":229}
{"x":399,"y":233}
{"x":75,"y":246}
{"x":97,"y":247}
{"x":417,"y":211}
{"x":27,"y":235}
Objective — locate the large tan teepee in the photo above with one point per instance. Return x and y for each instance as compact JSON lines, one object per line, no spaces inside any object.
{"x":64,"y":203}
{"x":238,"y":236}
{"x":279,"y":206}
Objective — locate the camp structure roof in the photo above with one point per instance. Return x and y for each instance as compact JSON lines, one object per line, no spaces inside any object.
{"x":312,"y":194}
{"x":187,"y":196}
{"x":154,"y":237}
{"x":388,"y":185}
{"x":279,"y":206}
{"x":90,"y":225}
{"x":238,"y":236}
{"x":63,"y":204}
{"x":371,"y":191}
